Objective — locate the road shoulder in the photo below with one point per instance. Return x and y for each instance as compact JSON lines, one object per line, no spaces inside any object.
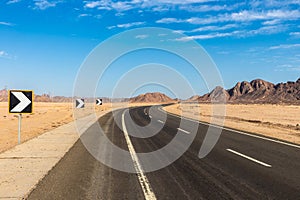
{"x":23,"y":166}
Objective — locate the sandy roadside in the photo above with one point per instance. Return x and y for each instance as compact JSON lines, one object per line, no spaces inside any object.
{"x":276,"y":121}
{"x":46,"y":116}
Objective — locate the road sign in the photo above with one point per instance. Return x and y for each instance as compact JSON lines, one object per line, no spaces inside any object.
{"x":98,"y":102}
{"x":20,"y":101}
{"x":79,"y":103}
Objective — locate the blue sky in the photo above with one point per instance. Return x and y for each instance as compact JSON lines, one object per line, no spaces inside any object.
{"x":43,"y":42}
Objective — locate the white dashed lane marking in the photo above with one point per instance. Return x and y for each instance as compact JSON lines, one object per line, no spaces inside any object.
{"x":249,"y":158}
{"x":183,"y":131}
{"x":160,"y":121}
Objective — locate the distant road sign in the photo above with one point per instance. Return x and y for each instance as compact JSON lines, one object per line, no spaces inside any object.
{"x":98,"y":102}
{"x":20,"y":101}
{"x":79,"y":103}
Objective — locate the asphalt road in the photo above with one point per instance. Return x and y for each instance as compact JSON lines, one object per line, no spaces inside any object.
{"x":240,"y":166}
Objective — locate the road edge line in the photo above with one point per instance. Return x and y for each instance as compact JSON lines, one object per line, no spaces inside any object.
{"x":143,"y":180}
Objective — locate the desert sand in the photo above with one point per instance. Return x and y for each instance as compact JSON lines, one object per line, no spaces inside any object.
{"x":276,"y":121}
{"x":45,"y":117}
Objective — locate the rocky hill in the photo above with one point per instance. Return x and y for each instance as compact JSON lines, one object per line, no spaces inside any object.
{"x":256,"y":91}
{"x":151,"y":98}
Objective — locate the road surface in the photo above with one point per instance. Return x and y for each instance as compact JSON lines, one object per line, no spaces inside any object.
{"x":240,"y":166}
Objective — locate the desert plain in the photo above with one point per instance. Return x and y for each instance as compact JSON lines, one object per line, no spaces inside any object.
{"x":45,"y":117}
{"x":276,"y":121}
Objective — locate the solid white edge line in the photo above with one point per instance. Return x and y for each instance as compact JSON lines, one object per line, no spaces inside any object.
{"x":236,"y":131}
{"x":249,"y":158}
{"x":160,"y":121}
{"x":183,"y":131}
{"x":143,"y":180}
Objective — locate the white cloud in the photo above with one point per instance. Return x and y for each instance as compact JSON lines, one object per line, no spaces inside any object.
{"x":204,"y":8}
{"x":194,"y":6}
{"x":111,"y":5}
{"x":13,"y":1}
{"x":180,"y":1}
{"x":92,"y":4}
{"x":263,"y":15}
{"x":265,"y":30}
{"x":4,"y":54}
{"x":169,"y":21}
{"x":205,"y":36}
{"x":178,"y":31}
{"x":161,"y":8}
{"x":44,"y":4}
{"x":127,"y":25}
{"x":295,"y":34}
{"x":287,"y":67}
{"x":111,"y":27}
{"x":208,"y":8}
{"x":216,"y":28}
{"x":242,"y":16}
{"x":285,"y":46}
{"x":156,"y":5}
{"x":272,"y":22}
{"x":278,"y":3}
{"x":141,"y":37}
{"x":84,"y":15}
{"x":120,"y":14}
{"x":123,"y":6}
{"x":192,"y":20}
{"x":6,"y":24}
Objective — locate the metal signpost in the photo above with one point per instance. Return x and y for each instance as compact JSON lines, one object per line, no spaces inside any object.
{"x":20,"y":101}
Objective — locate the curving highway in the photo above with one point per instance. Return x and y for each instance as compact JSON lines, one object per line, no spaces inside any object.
{"x":241,"y":165}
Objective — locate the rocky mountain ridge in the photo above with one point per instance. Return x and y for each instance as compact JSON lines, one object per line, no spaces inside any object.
{"x":256,"y":91}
